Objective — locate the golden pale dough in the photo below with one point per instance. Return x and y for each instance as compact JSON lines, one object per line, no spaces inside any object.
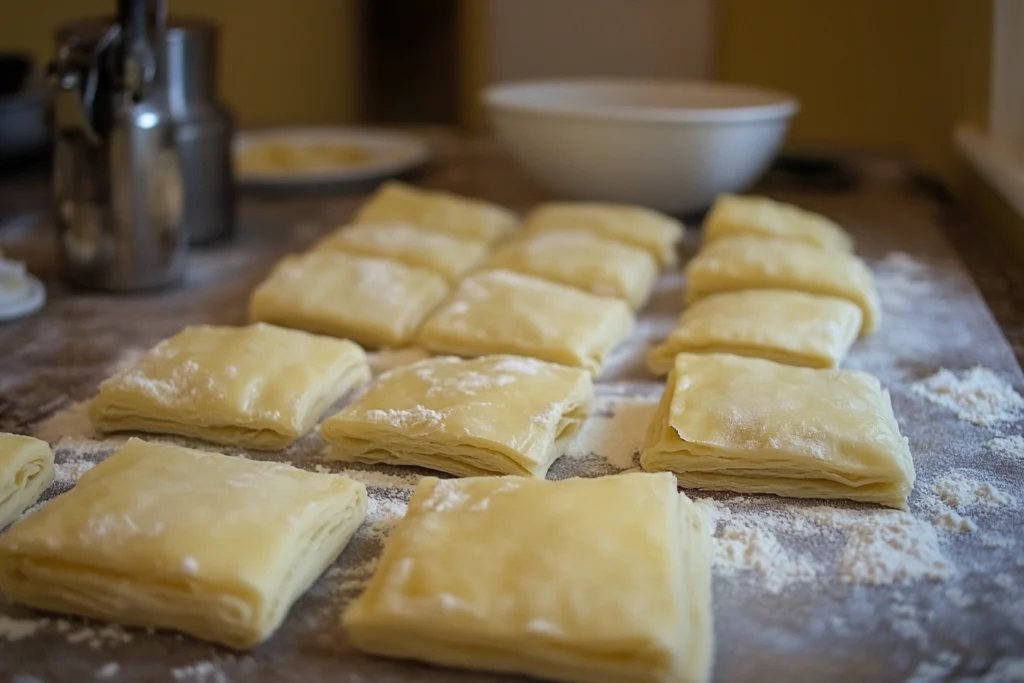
{"x":258,"y":386}
{"x":604,"y":580}
{"x":733,"y":215}
{"x":501,"y":312}
{"x":582,"y":260}
{"x":649,"y":230}
{"x":291,"y":157}
{"x":774,"y":324}
{"x":436,"y":210}
{"x":488,"y":415}
{"x":747,"y":262}
{"x":748,"y":425}
{"x":449,"y":256}
{"x":168,"y":537}
{"x":373,"y":301}
{"x":26,"y":469}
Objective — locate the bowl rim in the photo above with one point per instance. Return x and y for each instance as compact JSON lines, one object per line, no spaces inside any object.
{"x":500,"y":96}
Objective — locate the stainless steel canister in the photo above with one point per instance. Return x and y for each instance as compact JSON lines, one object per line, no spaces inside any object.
{"x":204,"y":130}
{"x":142,"y":155}
{"x":118,"y":188}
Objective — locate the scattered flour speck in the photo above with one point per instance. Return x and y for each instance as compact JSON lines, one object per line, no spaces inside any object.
{"x":382,"y":479}
{"x":1007,"y":446}
{"x":960,"y":492}
{"x":96,"y":636}
{"x":959,"y":598}
{"x":72,"y":428}
{"x":979,"y":396}
{"x":953,"y":522}
{"x":886,"y":546}
{"x":615,"y":431}
{"x":200,"y":672}
{"x":16,"y":629}
{"x":108,"y":670}
{"x":383,"y":513}
{"x":1004,"y":581}
{"x":876,"y":547}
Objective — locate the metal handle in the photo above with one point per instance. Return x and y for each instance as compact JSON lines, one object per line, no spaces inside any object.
{"x":143,"y":24}
{"x":75,"y":76}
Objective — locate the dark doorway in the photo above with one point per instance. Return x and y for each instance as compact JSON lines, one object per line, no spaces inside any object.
{"x":409,"y":61}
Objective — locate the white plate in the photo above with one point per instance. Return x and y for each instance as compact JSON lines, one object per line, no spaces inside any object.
{"x":390,"y":153}
{"x":25,"y":301}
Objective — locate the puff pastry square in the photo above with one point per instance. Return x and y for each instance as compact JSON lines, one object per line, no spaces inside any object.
{"x":582,"y":260}
{"x":489,"y":415}
{"x":26,"y":469}
{"x":601,"y":580}
{"x":748,"y":262}
{"x":168,"y":537}
{"x":462,"y":216}
{"x":749,"y":215}
{"x":729,"y":423}
{"x":780,"y":325}
{"x":499,"y":311}
{"x":258,"y":386}
{"x":449,"y":256}
{"x":375,"y":302}
{"x":654,"y":232}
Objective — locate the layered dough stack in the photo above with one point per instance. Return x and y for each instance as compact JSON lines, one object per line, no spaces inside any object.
{"x":754,"y":402}
{"x":503,"y":573}
{"x":499,"y":570}
{"x":459,"y":276}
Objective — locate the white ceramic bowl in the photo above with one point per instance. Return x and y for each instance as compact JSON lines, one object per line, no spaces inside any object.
{"x":668,"y":145}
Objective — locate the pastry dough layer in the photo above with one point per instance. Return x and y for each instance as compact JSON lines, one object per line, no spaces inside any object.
{"x":435,"y":210}
{"x":583,"y":260}
{"x":784,"y":326}
{"x":749,"y":215}
{"x":499,"y":311}
{"x":449,"y":256}
{"x":601,"y":580}
{"x":654,"y":232}
{"x":489,"y":415}
{"x":169,"y":537}
{"x":26,"y":469}
{"x":747,"y":262}
{"x":375,"y":302}
{"x":258,"y":386}
{"x":753,"y":426}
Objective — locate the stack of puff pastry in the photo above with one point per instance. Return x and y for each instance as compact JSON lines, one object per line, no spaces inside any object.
{"x":755,"y":401}
{"x":461,"y":276}
{"x":163,"y":536}
{"x":506,"y":573}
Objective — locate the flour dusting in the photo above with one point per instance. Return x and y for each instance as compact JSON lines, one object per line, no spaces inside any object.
{"x":615,"y":431}
{"x":16,"y":629}
{"x":1007,"y":446}
{"x":961,"y":491}
{"x":873,"y":546}
{"x":978,"y":396}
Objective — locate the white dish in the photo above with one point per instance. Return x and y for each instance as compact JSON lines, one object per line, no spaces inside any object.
{"x":24,"y":300}
{"x":388,"y":153}
{"x":668,"y":145}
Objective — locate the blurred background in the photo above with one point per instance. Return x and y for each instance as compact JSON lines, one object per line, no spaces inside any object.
{"x":869,"y":74}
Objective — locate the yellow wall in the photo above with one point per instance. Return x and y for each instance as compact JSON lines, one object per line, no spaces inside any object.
{"x":282,"y":61}
{"x":869,"y":73}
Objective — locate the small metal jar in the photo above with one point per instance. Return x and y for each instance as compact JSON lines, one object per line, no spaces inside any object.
{"x":204,"y":130}
{"x":142,"y":150}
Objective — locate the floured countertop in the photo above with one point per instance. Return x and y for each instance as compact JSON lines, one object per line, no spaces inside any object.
{"x":804,"y":591}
